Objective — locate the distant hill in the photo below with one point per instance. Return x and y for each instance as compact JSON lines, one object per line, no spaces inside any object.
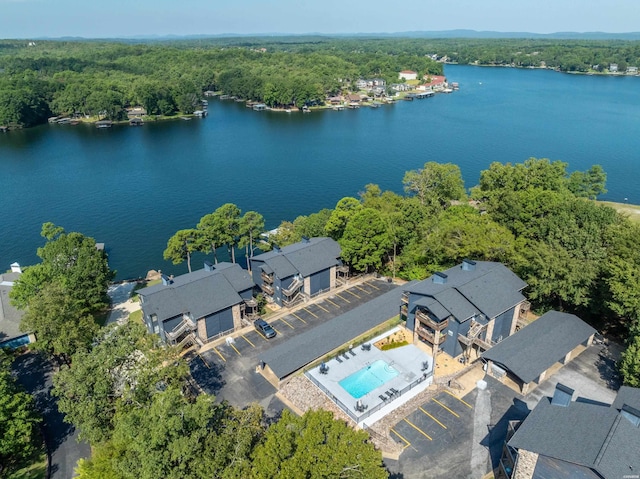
{"x":412,"y":34}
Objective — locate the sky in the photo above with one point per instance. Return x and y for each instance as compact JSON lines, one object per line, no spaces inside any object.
{"x":127,"y":18}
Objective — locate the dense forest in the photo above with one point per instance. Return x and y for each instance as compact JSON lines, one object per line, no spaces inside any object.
{"x":101,"y":79}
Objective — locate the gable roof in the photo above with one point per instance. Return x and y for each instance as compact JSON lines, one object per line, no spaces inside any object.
{"x":305,"y":257}
{"x":200,"y":293}
{"x":489,"y":288}
{"x":536,"y":347}
{"x":584,"y":433}
{"x":301,"y":350}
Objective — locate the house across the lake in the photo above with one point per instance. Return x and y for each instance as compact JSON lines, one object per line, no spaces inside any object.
{"x":407,"y":75}
{"x":198,"y":307}
{"x":286,"y":275}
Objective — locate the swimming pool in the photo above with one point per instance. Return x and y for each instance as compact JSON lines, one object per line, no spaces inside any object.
{"x":367,"y":379}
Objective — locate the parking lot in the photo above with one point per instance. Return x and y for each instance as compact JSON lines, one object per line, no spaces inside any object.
{"x":228,"y":370}
{"x":450,"y":437}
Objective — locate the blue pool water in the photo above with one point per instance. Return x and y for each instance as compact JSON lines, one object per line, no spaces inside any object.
{"x":367,"y":379}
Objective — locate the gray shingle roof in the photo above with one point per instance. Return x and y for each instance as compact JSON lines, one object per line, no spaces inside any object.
{"x":592,"y":435}
{"x":490,"y":288}
{"x":200,"y":293}
{"x":539,"y":345}
{"x":304,"y":257}
{"x":629,"y":396}
{"x":301,"y":350}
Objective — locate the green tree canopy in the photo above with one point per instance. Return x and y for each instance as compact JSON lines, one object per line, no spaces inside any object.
{"x":344,"y":210}
{"x":71,"y":261}
{"x":366,"y":240}
{"x":436,"y":184}
{"x":181,"y":245}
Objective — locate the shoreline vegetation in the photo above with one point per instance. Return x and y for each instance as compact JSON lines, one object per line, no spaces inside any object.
{"x":43,"y":79}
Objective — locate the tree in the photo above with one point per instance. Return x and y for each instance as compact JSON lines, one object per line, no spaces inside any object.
{"x":316,"y":446}
{"x":72,"y":261}
{"x":228,"y":221}
{"x":344,"y":210}
{"x":19,"y":435}
{"x":62,"y":326}
{"x":209,"y":237}
{"x":286,"y":235}
{"x":125,"y":367}
{"x":251,"y":227}
{"x":313,"y":225}
{"x":630,"y":362}
{"x":588,"y":184}
{"x":365,"y":240}
{"x":435,"y":184}
{"x":181,"y":245}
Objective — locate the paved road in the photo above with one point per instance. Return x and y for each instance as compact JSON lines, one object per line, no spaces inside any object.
{"x":34,"y":373}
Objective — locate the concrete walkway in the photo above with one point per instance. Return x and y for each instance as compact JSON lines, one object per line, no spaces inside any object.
{"x":121,"y":304}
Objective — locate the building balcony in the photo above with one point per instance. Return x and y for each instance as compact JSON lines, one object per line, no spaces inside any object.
{"x":267,"y":288}
{"x":429,"y":336}
{"x":428,"y":321}
{"x":187,"y":324}
{"x":405,"y":298}
{"x":267,"y":278}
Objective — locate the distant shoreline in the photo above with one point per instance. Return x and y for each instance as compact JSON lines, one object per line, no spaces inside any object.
{"x":589,"y":73}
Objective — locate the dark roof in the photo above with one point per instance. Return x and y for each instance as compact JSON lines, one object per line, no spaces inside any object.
{"x":303,"y":349}
{"x":304,"y":258}
{"x":541,"y":344}
{"x":587,"y":434}
{"x":200,"y":293}
{"x":10,"y":316}
{"x":489,"y":288}
{"x":629,"y":396}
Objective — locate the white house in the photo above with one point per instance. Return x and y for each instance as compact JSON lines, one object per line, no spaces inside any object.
{"x":408,"y":75}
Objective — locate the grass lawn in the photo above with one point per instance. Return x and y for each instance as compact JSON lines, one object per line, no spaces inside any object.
{"x":136,"y":316}
{"x":37,"y":469}
{"x":632,"y":211}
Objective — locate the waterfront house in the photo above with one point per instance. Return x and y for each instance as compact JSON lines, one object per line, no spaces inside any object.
{"x":198,"y":307}
{"x":581,"y":438}
{"x":469,"y":307}
{"x":10,"y":334}
{"x":632,"y":70}
{"x":354,"y":98}
{"x":435,"y":82}
{"x":400,"y":87}
{"x":287,"y":275}
{"x":407,"y":75}
{"x":136,"y":112}
{"x":613,"y":67}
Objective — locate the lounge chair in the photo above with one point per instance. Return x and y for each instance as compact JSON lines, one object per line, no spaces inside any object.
{"x":390,"y":394}
{"x":324,"y":369}
{"x":351,"y":352}
{"x":395,"y":391}
{"x":344,"y":355}
{"x":384,"y":398}
{"x":338,"y":359}
{"x":366,"y":347}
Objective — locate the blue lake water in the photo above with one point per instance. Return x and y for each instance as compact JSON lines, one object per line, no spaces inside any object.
{"x":132,"y":188}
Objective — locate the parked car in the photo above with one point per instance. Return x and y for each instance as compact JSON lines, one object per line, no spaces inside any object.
{"x":264,"y":328}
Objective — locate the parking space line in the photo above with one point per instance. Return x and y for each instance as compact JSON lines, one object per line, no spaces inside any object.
{"x":463,"y":402}
{"x":344,"y":299}
{"x":352,"y":293}
{"x":417,"y":429}
{"x":242,"y":336}
{"x":323,"y":309}
{"x":337,"y":306}
{"x":261,"y":336}
{"x":274,"y":328}
{"x":204,"y":362}
{"x":298,"y":317}
{"x":374,"y":287}
{"x":235,"y":349}
{"x":362,"y":289}
{"x":443,"y":426}
{"x":452,"y":412}
{"x":285,"y":322}
{"x":311,"y":312}
{"x":407,"y":443}
{"x":219,"y":354}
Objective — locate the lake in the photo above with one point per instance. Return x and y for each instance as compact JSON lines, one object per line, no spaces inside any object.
{"x":132,"y":188}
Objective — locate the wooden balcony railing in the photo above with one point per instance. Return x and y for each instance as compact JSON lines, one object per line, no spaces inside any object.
{"x":425,"y":319}
{"x":430,"y":336}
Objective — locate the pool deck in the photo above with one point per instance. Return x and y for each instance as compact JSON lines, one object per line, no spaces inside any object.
{"x":407,"y":360}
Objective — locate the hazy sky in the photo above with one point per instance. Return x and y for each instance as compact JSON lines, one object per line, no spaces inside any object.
{"x":117,"y":18}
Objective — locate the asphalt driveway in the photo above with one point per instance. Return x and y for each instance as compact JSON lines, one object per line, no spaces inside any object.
{"x":229,"y":370}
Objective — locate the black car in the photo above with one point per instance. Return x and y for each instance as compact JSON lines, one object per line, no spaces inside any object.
{"x":264,"y":328}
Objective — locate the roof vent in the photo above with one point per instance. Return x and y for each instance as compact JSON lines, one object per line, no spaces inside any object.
{"x":208,"y":266}
{"x":468,"y":265}
{"x":562,"y":395}
{"x":15,"y":268}
{"x":631,"y":414}
{"x":305,"y":239}
{"x":166,"y":280}
{"x":439,"y":278}
{"x":276,"y":248}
